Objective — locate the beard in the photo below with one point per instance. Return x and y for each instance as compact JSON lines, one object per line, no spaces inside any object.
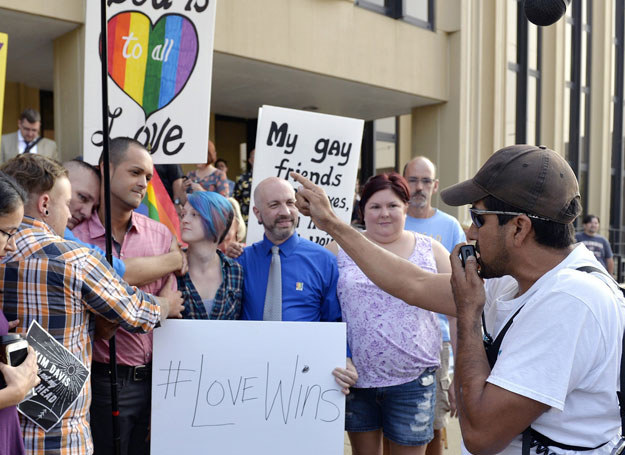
{"x":496,"y":267}
{"x":281,"y":232}
{"x":418,"y":199}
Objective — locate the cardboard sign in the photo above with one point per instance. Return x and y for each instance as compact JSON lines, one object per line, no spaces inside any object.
{"x":323,"y":148}
{"x":233,"y":387}
{"x":160,"y":57}
{"x":62,"y":375}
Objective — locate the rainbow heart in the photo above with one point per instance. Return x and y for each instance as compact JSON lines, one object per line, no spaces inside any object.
{"x":151,"y":63}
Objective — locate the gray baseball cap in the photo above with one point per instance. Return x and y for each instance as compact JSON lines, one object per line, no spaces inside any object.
{"x":532,"y":178}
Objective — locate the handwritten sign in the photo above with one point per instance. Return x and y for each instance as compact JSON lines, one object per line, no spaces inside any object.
{"x":159,"y":62}
{"x":62,"y":375}
{"x":247,"y":387}
{"x":323,"y":148}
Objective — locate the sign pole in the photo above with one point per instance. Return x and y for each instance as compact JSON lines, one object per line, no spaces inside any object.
{"x":107,"y":216}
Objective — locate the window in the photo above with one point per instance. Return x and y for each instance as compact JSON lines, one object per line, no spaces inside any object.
{"x":386,"y":148}
{"x":417,"y":12}
{"x":380,"y":147}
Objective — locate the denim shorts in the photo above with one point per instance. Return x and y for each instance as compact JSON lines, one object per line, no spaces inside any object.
{"x":404,"y":412}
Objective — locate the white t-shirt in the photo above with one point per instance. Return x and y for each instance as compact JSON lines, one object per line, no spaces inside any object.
{"x":563,"y":349}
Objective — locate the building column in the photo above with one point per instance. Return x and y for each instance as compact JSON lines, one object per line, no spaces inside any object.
{"x":69,"y":71}
{"x":600,"y":109}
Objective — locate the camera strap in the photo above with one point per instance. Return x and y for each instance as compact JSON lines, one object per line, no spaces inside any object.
{"x":530,"y":437}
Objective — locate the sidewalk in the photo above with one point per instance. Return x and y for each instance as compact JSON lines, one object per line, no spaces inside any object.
{"x":453,"y":439}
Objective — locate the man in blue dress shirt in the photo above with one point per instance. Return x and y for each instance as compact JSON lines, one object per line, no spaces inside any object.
{"x":309,"y":271}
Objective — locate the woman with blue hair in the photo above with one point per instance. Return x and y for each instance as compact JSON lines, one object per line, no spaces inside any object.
{"x":213,"y":286}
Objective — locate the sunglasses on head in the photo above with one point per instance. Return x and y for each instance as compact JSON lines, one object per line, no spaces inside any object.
{"x":478,"y":219}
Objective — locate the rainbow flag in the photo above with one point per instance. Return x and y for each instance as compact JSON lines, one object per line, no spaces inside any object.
{"x":158,"y":206}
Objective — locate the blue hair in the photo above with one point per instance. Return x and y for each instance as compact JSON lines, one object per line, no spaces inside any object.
{"x":216,"y":212}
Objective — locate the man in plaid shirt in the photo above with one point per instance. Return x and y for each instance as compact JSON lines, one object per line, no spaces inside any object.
{"x":63,"y":286}
{"x":134,"y":235}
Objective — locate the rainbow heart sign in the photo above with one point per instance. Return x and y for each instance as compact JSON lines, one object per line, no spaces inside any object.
{"x":151,"y":63}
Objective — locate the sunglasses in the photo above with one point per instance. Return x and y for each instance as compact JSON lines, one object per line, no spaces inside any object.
{"x":478,"y":219}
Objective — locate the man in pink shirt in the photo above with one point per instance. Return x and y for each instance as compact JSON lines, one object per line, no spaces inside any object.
{"x":134,"y":235}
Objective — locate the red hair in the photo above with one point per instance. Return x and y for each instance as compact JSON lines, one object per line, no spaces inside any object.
{"x":389,"y":180}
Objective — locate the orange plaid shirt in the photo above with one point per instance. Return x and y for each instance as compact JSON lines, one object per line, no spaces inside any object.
{"x":63,"y":285}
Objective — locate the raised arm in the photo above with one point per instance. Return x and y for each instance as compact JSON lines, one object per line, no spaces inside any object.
{"x":388,"y":271}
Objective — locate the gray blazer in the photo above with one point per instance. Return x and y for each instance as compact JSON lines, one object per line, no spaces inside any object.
{"x":9,"y":149}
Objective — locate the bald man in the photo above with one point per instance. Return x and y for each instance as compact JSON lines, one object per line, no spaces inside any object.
{"x":308,"y":271}
{"x":420,"y":173}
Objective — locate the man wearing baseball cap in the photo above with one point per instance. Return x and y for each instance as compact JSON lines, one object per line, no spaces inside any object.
{"x":551,"y":321}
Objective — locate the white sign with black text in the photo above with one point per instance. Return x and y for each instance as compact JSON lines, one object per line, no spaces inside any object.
{"x":323,"y":148}
{"x":233,"y":387}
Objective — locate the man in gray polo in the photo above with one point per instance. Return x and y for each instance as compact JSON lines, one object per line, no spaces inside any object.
{"x":557,"y":367}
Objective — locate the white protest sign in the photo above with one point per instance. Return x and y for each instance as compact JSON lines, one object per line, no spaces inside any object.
{"x":160,"y":56}
{"x":233,"y":387}
{"x":323,"y":148}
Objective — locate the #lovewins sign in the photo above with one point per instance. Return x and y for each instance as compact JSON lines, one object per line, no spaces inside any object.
{"x":323,"y":148}
{"x":159,"y":72}
{"x":233,"y":387}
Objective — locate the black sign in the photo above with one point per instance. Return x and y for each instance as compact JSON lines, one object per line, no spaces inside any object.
{"x":62,"y":375}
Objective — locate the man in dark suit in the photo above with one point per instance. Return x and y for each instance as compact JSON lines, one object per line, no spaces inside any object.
{"x":26,"y":139}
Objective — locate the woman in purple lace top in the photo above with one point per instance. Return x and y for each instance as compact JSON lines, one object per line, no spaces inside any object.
{"x":395,"y":347}
{"x":19,"y":379}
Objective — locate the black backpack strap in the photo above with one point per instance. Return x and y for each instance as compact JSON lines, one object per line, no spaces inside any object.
{"x":591,"y":269}
{"x":492,"y":349}
{"x":541,"y":442}
{"x":621,"y":393}
{"x":530,"y":437}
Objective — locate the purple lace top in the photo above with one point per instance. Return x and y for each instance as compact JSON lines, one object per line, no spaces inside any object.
{"x":391,"y":342}
{"x":11,"y":442}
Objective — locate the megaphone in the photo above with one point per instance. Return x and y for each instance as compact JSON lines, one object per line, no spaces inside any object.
{"x":545,"y":12}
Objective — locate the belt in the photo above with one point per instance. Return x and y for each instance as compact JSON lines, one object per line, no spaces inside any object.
{"x":136,"y":373}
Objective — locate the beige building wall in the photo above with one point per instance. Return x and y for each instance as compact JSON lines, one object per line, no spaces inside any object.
{"x":334,"y":38}
{"x":66,"y":10}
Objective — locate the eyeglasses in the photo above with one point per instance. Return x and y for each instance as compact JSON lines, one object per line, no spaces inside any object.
{"x":478,"y":219}
{"x":426,"y":181}
{"x":8,"y":235}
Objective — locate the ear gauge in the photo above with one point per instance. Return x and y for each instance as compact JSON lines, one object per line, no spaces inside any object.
{"x":46,"y":213}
